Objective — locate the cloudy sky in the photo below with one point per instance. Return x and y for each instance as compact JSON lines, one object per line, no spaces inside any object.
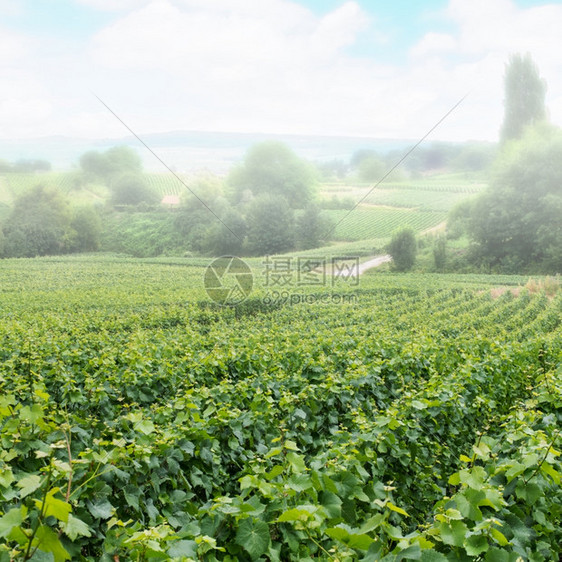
{"x":388,"y":69}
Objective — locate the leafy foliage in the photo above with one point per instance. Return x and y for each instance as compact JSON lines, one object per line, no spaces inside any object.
{"x":403,"y":247}
{"x":270,"y":225}
{"x":38,"y":225}
{"x":139,"y":422}
{"x":132,"y":189}
{"x":86,"y":225}
{"x":516,"y":223}
{"x":273,"y":168}
{"x":111,"y":163}
{"x":312,"y":228}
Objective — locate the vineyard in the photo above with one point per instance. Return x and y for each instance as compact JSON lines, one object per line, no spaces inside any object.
{"x":418,"y":204}
{"x":138,"y":421}
{"x":19,"y":183}
{"x":375,"y":222}
{"x":416,"y":198}
{"x":14,"y":184}
{"x":166,"y":184}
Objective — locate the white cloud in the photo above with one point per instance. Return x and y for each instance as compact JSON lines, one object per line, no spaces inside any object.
{"x":434,"y":43}
{"x":10,"y":7}
{"x":23,"y":117}
{"x":275,"y":66}
{"x":272,"y":65}
{"x":13,"y":47}
{"x":113,"y":5}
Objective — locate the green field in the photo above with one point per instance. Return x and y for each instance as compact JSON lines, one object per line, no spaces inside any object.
{"x":416,"y":419}
{"x":420,"y":204}
{"x":368,"y":223}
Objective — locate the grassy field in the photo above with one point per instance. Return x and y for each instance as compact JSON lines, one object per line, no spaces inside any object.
{"x":418,"y":418}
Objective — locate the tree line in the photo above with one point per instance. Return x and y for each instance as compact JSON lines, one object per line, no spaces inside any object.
{"x":268,"y":204}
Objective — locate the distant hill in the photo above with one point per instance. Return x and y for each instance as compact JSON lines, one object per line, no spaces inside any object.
{"x":190,"y":151}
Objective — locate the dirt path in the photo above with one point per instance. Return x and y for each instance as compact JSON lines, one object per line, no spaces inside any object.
{"x":372,"y":263}
{"x":359,"y":269}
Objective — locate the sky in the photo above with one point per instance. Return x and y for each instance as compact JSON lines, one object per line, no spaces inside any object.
{"x":378,"y":69}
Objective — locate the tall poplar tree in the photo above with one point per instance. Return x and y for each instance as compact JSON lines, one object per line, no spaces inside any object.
{"x":524,"y":100}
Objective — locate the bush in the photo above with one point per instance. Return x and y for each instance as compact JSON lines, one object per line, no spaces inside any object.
{"x":440,"y":253}
{"x":226,"y":238}
{"x":403,"y":249}
{"x":312,"y":228}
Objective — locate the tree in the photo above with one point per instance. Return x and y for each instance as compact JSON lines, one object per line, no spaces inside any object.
{"x":114,"y":162}
{"x":29,"y":166}
{"x":371,"y":169}
{"x":86,"y":229}
{"x":516,"y":222}
{"x":312,"y":227}
{"x":38,"y":225}
{"x":459,"y":218}
{"x":272,"y":167}
{"x":132,"y":189}
{"x":226,"y":238}
{"x":94,"y":164}
{"x":122,"y":159}
{"x":524,"y":101}
{"x":403,"y":249}
{"x":474,"y":157}
{"x":196,"y":222}
{"x":370,"y":166}
{"x":270,"y":225}
{"x":440,"y":252}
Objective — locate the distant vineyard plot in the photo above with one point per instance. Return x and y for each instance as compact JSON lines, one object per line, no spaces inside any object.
{"x":18,"y":183}
{"x":420,"y":204}
{"x":375,"y":222}
{"x":166,"y":184}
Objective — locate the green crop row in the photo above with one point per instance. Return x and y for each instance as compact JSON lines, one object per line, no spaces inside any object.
{"x":140,"y":421}
{"x":165,"y":183}
{"x":419,"y":199}
{"x":19,"y":183}
{"x":375,"y":222}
